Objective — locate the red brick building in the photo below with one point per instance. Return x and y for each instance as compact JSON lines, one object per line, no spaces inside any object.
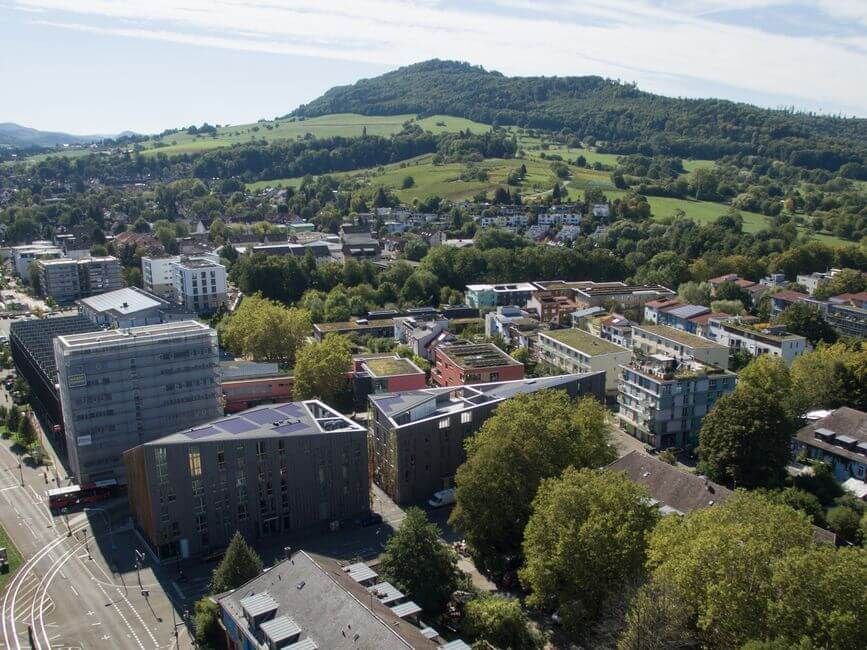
{"x":457,"y":364}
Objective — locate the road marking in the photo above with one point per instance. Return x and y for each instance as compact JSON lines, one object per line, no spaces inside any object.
{"x":72,"y":588}
{"x":11,"y":487}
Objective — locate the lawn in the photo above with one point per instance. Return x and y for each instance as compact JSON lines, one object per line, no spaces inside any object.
{"x":12,"y":555}
{"x":339,"y":124}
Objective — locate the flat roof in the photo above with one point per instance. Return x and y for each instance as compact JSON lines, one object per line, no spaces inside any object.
{"x":354,"y":325}
{"x":684,"y":338}
{"x":123,"y":301}
{"x":133,"y":335}
{"x":308,"y":418}
{"x":198,"y":263}
{"x":477,"y":355}
{"x":37,"y":336}
{"x":583,"y":341}
{"x":391,"y":366}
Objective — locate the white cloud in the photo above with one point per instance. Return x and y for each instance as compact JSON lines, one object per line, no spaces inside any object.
{"x":640,"y":41}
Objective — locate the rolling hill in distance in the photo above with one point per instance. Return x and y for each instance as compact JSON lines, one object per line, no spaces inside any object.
{"x":15,"y":135}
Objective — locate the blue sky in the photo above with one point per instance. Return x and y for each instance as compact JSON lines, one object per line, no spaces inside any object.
{"x":101,"y":66}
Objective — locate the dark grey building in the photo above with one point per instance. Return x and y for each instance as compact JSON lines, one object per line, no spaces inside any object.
{"x":264,"y":472}
{"x":416,"y":438}
{"x":120,"y":388}
{"x":32,"y":344}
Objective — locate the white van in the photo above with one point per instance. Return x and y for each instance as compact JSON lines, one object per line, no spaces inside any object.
{"x":442,"y":498}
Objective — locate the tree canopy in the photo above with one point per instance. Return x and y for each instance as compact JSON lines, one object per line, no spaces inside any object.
{"x":264,"y":330}
{"x":321,"y":368}
{"x":416,"y":561}
{"x":240,"y":564}
{"x":585,"y":541}
{"x":529,"y":438}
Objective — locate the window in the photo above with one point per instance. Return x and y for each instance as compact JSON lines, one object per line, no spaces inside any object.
{"x":195,"y":462}
{"x":443,"y":423}
{"x":466,"y":417}
{"x":221,"y":458}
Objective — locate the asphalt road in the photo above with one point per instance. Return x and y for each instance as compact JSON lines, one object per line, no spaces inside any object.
{"x":77,"y":587}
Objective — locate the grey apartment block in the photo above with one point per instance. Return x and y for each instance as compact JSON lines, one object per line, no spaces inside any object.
{"x":416,"y":438}
{"x":66,"y":280}
{"x":122,"y":388}
{"x":265,"y":472}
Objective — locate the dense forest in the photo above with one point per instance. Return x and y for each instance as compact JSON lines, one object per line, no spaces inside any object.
{"x":627,"y":119}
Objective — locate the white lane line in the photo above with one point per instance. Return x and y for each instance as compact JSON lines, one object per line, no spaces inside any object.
{"x":72,"y":588}
{"x":11,"y":487}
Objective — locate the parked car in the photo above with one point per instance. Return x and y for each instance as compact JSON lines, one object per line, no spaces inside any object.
{"x":442,"y":498}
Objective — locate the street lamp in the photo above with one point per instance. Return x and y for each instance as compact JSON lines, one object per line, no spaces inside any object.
{"x":139,"y":559}
{"x":65,"y":512}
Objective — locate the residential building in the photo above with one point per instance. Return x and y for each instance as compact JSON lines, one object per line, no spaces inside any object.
{"x":359,"y":245}
{"x":65,"y":280}
{"x":488,"y":296}
{"x":617,"y":329}
{"x":663,"y":400}
{"x":460,"y":363}
{"x":677,"y":492}
{"x":32,"y":346}
{"x":247,"y":384}
{"x":121,"y":388}
{"x":514,"y":325}
{"x":373,"y":375}
{"x":418,"y":333}
{"x":653,"y":308}
{"x":318,"y":249}
{"x":416,"y":438}
{"x":550,"y":307}
{"x":839,"y":439}
{"x":536,"y":232}
{"x":774,"y":280}
{"x":734,"y":278}
{"x":380,"y":328}
{"x":848,"y":314}
{"x":573,"y":350}
{"x":738,"y":335}
{"x":582,"y":318}
{"x":782,"y":300}
{"x":682,"y":317}
{"x":309,"y":601}
{"x":264,"y":472}
{"x":598,"y":294}
{"x":158,"y":275}
{"x":812,"y":281}
{"x":601,"y":210}
{"x":23,"y":256}
{"x":661,"y":339}
{"x":130,"y":307}
{"x":200,"y":285}
{"x":568,"y":234}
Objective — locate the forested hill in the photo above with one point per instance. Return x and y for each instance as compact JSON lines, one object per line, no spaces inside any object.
{"x":626,"y":118}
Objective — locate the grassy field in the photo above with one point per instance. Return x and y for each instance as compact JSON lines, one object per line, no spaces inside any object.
{"x":14,"y":557}
{"x":342,"y":124}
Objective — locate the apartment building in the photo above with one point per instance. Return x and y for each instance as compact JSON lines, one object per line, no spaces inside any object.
{"x":386,"y":374}
{"x":551,"y":307}
{"x":599,"y":294}
{"x":738,"y":335}
{"x":265,"y":472}
{"x":310,"y":601}
{"x":130,"y":307}
{"x":416,"y":438}
{"x":663,"y":400}
{"x":573,"y":350}
{"x":200,"y":284}
{"x":661,"y":339}
{"x":460,"y":363}
{"x":66,"y":280}
{"x":23,"y":256}
{"x":158,"y":275}
{"x":121,"y":388}
{"x":839,"y":439}
{"x":488,"y":296}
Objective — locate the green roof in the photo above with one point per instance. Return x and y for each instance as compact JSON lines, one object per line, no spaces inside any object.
{"x":584,"y":342}
{"x":353,"y":325}
{"x":684,"y":338}
{"x":390,"y":366}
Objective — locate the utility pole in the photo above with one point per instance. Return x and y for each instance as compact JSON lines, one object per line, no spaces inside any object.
{"x":139,"y":558}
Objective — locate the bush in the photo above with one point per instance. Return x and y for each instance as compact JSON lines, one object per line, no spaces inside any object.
{"x":206,"y":623}
{"x":499,"y":621}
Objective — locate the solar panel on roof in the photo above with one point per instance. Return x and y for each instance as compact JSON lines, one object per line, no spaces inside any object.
{"x":265,"y":416}
{"x":291,"y":410}
{"x":293,"y":427}
{"x":236,"y":425}
{"x":201,"y":433}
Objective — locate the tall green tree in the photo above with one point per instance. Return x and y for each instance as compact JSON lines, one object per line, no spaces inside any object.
{"x":830,"y":376}
{"x":321,"y":370}
{"x":819,"y":593}
{"x":745,"y":439}
{"x":529,"y":438}
{"x":240,"y":564}
{"x":417,"y":562}
{"x":806,"y":320}
{"x":584,"y":543}
{"x":264,"y":330}
{"x":500,"y":622}
{"x":719,"y":560}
